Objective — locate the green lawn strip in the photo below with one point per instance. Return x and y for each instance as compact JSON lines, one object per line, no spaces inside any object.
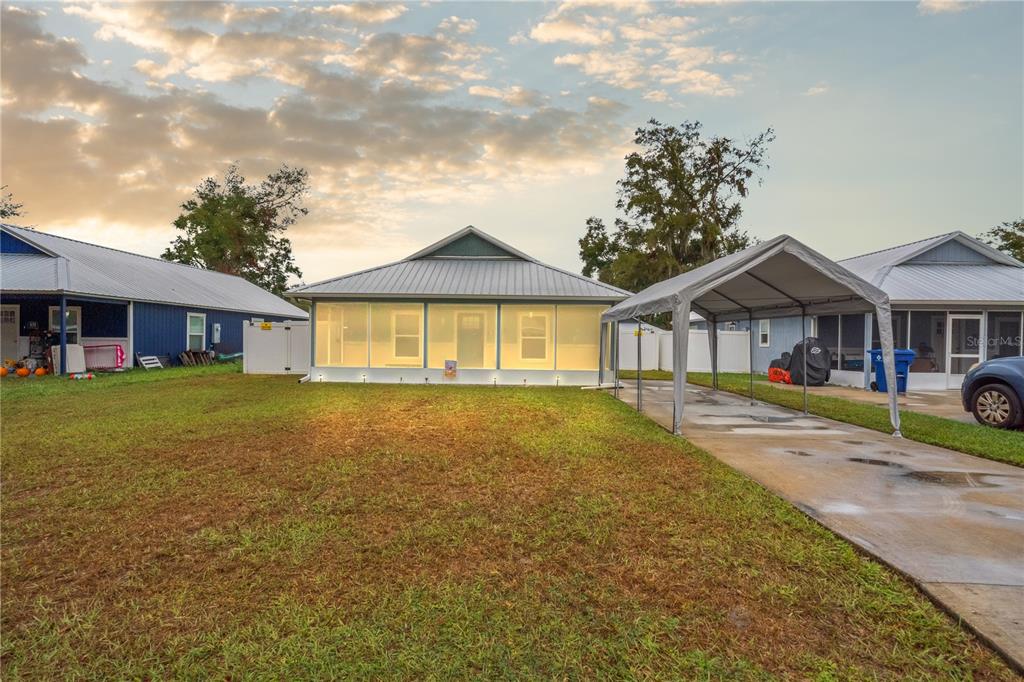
{"x":223,"y":525}
{"x":16,"y":388}
{"x":972,"y":439}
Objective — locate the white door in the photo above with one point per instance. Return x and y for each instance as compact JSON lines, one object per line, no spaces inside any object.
{"x":963,"y":347}
{"x":9,"y":329}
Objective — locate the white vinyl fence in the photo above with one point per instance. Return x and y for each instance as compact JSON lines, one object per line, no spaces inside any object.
{"x":733,"y":350}
{"x":275,"y":347}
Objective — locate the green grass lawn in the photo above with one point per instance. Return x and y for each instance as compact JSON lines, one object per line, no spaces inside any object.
{"x":195,"y":524}
{"x":973,"y":439}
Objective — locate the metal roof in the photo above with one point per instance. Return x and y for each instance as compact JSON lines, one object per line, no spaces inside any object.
{"x":90,"y":270}
{"x":906,"y":278}
{"x":424,"y":275}
{"x":777,"y":278}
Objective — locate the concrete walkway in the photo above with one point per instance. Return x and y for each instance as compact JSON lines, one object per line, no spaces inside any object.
{"x":951,"y":522}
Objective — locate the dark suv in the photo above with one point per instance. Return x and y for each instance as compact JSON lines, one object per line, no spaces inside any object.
{"x":994,"y":392}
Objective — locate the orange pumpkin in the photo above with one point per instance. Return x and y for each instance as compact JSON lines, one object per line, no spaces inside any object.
{"x":22,"y":372}
{"x":40,"y":371}
{"x":3,"y":371}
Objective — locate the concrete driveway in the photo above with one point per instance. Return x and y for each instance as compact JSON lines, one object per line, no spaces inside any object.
{"x":953,"y":523}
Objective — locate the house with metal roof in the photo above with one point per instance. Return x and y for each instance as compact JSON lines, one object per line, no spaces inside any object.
{"x":56,"y":291}
{"x":955,"y":301}
{"x":468,"y":309}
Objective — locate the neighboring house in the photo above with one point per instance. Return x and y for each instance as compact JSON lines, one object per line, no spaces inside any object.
{"x":955,"y":301}
{"x":467,"y":309}
{"x":113,"y":298}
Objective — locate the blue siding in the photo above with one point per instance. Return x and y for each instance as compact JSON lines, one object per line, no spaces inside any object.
{"x":162,"y":329}
{"x":785,"y":332}
{"x":11,"y":244}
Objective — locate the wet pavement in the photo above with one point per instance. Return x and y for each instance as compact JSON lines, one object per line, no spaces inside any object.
{"x":951,"y":522}
{"x":938,"y":403}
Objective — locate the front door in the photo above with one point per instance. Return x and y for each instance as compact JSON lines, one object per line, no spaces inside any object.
{"x":9,"y":322}
{"x":964,"y":346}
{"x":469,"y":341}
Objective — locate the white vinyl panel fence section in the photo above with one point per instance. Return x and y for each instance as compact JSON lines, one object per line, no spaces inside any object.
{"x":733,"y":348}
{"x":650,"y":347}
{"x":733,"y":352}
{"x":275,"y":347}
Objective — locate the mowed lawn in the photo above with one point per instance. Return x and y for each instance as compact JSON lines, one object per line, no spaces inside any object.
{"x":210,"y":524}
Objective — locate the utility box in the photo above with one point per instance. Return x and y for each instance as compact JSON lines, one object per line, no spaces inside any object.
{"x":275,"y":347}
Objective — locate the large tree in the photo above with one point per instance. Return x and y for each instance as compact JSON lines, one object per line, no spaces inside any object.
{"x":8,"y":207}
{"x":239,"y":229}
{"x":1008,"y":238}
{"x":681,"y":200}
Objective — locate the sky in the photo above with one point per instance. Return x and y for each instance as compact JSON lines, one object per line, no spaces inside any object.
{"x":894,"y":121}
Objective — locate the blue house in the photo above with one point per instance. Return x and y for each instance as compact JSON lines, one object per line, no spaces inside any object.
{"x":56,"y":291}
{"x":955,"y":302}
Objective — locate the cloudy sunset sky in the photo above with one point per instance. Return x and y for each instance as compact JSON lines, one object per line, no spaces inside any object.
{"x":894,"y":121}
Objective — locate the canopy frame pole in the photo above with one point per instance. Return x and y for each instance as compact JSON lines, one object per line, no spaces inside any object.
{"x":615,"y":357}
{"x":750,"y":348}
{"x":803,"y":333}
{"x":639,"y":365}
{"x":680,"y":343}
{"x":774,"y":288}
{"x":713,"y":347}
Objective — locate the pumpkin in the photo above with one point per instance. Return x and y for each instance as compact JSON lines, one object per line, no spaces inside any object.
{"x":40,"y":371}
{"x":22,"y":372}
{"x":3,"y":371}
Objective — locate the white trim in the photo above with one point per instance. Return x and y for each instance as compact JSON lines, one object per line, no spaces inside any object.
{"x":956,"y":380}
{"x":764,"y":333}
{"x":77,"y":329}
{"x":395,"y":335}
{"x":547,"y":334}
{"x":188,"y":329}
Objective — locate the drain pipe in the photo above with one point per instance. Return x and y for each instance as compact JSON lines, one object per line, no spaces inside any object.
{"x":304,"y":379}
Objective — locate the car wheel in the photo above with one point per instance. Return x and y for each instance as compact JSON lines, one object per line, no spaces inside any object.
{"x":996,"y":405}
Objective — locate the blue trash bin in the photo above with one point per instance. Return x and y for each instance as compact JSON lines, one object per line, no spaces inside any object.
{"x":903,"y":357}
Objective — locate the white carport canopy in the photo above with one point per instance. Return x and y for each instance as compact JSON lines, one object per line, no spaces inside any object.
{"x":778,"y":278}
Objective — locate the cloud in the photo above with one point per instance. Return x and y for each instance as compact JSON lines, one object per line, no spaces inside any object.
{"x":372,"y":129}
{"x":583,"y":32}
{"x":814,"y":90}
{"x":652,"y":51}
{"x":656,"y":96}
{"x":363,"y":12}
{"x":656,"y":28}
{"x":516,"y":96}
{"x":943,"y":6}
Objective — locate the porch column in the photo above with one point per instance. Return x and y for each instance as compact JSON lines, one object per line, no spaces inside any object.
{"x":64,"y":334}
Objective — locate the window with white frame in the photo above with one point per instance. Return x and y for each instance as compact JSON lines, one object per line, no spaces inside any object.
{"x":533,"y":336}
{"x":408,"y":343}
{"x":72,"y":321}
{"x":764,"y":333}
{"x":196,"y":331}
